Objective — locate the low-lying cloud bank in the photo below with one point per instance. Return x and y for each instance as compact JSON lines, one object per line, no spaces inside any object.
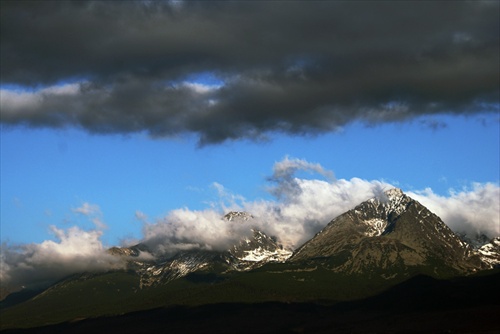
{"x":37,"y":265}
{"x":301,"y":208}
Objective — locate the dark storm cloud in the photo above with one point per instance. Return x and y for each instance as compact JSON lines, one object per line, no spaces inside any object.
{"x":292,"y":67}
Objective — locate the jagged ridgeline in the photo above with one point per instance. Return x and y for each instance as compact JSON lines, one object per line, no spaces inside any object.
{"x":391,"y":235}
{"x":364,"y":251}
{"x":250,"y":253}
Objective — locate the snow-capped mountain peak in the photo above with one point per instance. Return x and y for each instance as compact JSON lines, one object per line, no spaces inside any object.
{"x":250,"y":253}
{"x":390,"y":232}
{"x":490,"y":252}
{"x":260,"y":248}
{"x":238,"y":216}
{"x":392,"y":201}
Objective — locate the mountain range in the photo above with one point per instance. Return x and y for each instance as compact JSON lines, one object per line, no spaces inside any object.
{"x":390,"y":234}
{"x":378,"y":245}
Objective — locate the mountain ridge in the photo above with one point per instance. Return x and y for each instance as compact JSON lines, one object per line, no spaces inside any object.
{"x":249,"y":253}
{"x":380,"y":243}
{"x":388,"y":231}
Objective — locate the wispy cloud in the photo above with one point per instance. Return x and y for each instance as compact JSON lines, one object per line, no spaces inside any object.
{"x":93,"y":213}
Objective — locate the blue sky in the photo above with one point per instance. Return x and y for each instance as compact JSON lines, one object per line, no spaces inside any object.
{"x":173,"y":110}
{"x":46,"y":174}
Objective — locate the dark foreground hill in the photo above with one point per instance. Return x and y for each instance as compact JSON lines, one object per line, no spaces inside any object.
{"x":419,"y":305}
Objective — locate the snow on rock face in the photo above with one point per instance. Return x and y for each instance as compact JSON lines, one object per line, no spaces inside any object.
{"x":392,"y":201}
{"x":259,"y":255}
{"x":490,"y":253}
{"x":238,"y":216}
{"x":477,"y":241}
{"x":250,"y":253}
{"x":375,"y":227}
{"x":260,"y":248}
{"x":182,"y":264}
{"x":389,"y":232}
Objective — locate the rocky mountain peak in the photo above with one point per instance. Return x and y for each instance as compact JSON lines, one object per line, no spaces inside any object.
{"x":251,"y":252}
{"x":391,"y":202}
{"x":394,"y":193}
{"x":386,"y":232}
{"x":389,"y":234}
{"x":238,"y":216}
{"x":259,"y":249}
{"x":133,"y":251}
{"x":490,"y":253}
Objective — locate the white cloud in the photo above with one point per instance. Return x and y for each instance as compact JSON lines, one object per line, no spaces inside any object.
{"x":87,"y":209}
{"x":75,"y":251}
{"x":141,"y":216}
{"x":310,"y":205}
{"x":470,"y":211}
{"x":284,"y":176}
{"x":302,"y":207}
{"x":200,"y":88}
{"x":187,"y":229}
{"x":286,"y":168}
{"x":226,"y":200}
{"x":17,"y":101}
{"x":64,"y":89}
{"x":93,"y":213}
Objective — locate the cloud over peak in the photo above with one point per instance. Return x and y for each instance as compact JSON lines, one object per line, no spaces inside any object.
{"x":296,"y":68}
{"x":301,"y":207}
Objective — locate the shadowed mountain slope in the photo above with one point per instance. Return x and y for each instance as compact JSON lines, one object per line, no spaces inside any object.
{"x":390,"y":234}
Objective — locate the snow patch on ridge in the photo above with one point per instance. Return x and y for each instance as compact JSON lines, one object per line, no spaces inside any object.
{"x":490,"y":253}
{"x":375,"y":227}
{"x":391,"y":201}
{"x":259,"y":254}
